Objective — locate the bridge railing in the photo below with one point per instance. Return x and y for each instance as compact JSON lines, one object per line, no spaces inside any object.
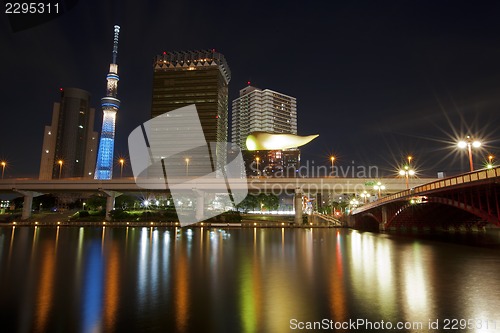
{"x":436,"y":185}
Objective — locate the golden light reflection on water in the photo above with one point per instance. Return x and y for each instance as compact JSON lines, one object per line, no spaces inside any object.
{"x":10,"y":246}
{"x":112,"y":287}
{"x":415,"y":276}
{"x":181,"y":292}
{"x":45,"y":287}
{"x":377,"y":271}
{"x":337,"y":284}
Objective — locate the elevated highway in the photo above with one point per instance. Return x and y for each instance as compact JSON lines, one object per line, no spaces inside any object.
{"x":30,"y":188}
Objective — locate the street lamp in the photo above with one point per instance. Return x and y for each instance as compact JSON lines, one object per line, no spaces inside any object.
{"x":365,"y":195}
{"x":379,"y":187}
{"x":187,"y":167}
{"x":332,"y":159}
{"x":490,"y":162}
{"x":84,"y":205}
{"x":469,"y":143}
{"x":354,"y":203}
{"x":121,"y":161}
{"x":409,"y":159}
{"x":406,"y":172}
{"x":60,"y":162}
{"x":3,"y":163}
{"x":257,"y":159}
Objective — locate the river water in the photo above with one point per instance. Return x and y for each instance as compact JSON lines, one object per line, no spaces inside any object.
{"x":72,"y":279}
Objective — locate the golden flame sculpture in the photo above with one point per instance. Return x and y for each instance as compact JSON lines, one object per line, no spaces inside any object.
{"x":272,"y":141}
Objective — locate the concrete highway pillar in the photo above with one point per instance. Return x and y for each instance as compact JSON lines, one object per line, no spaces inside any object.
{"x":28,"y":202}
{"x":200,"y":205}
{"x":110,"y":202}
{"x":297,"y":200}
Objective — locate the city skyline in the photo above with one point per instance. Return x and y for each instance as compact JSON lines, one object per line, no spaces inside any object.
{"x":377,"y":82}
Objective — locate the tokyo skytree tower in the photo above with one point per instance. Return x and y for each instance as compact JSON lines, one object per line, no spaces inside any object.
{"x":110,"y":105}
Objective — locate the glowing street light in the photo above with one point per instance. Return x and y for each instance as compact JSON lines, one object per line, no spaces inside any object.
{"x":354,"y":203}
{"x":60,"y":162}
{"x":380,"y":187}
{"x":187,"y":166}
{"x":3,"y":163}
{"x":469,"y":143}
{"x":490,"y":162}
{"x":365,"y":195}
{"x":406,"y":172}
{"x":409,"y":159}
{"x":332,"y":159}
{"x":257,"y":159}
{"x":121,"y":161}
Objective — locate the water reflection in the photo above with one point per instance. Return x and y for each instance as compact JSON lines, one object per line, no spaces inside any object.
{"x":92,"y":289}
{"x":46,"y":288}
{"x":337,"y":283}
{"x":112,"y":287}
{"x":251,"y":280}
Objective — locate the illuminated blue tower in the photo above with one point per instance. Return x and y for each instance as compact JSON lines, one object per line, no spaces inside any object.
{"x":110,"y":105}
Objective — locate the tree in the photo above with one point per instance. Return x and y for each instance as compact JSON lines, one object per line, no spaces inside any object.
{"x":249,"y":203}
{"x":125,"y":202}
{"x":95,"y":202}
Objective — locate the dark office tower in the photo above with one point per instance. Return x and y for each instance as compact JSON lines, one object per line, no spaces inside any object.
{"x":183,"y":78}
{"x":69,"y":143}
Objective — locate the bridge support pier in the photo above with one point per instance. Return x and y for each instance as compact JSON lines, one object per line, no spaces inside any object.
{"x":110,"y":202}
{"x":384,"y":218}
{"x":297,"y":200}
{"x":28,"y":202}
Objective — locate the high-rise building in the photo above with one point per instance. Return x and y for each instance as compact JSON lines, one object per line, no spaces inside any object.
{"x":110,"y":105}
{"x":262,"y":110}
{"x":258,"y":110}
{"x":182,"y":78}
{"x":70,"y":143}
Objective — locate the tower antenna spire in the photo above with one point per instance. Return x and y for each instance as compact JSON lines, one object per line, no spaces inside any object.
{"x":115,"y":43}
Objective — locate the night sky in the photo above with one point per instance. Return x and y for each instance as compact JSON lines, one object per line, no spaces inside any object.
{"x":377,"y":80}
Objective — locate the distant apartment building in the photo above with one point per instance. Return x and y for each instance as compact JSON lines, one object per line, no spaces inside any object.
{"x":262,"y":110}
{"x":266,"y":111}
{"x":70,"y":143}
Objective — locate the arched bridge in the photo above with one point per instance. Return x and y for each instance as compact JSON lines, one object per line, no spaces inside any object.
{"x":467,"y":201}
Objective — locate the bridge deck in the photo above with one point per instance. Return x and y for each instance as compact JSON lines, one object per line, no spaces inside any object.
{"x":464,"y":180}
